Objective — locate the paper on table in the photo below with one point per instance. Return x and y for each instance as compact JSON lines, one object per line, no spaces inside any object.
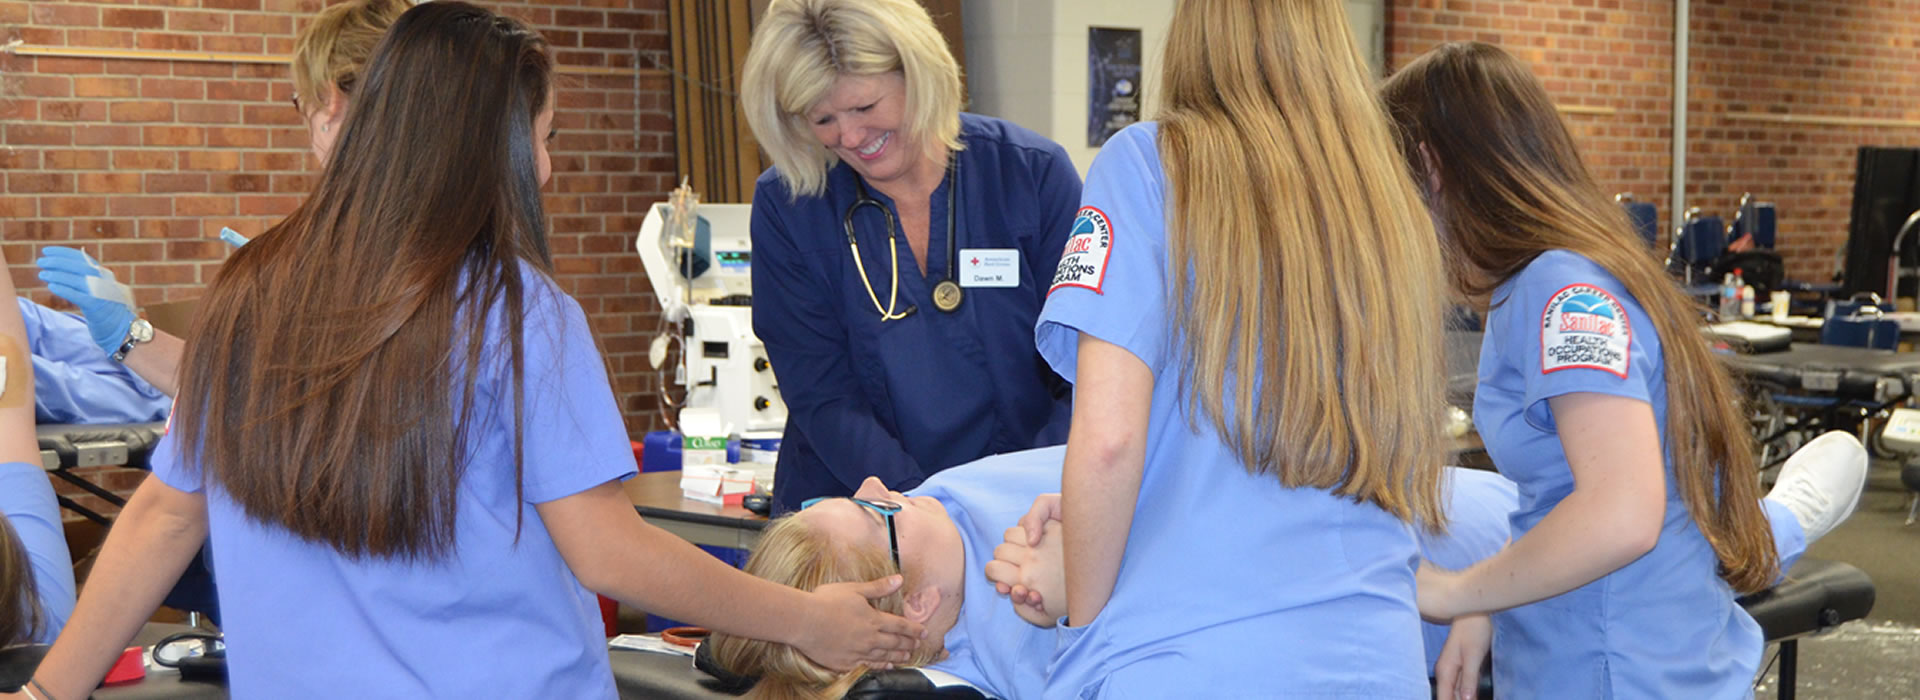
{"x":647,"y":642}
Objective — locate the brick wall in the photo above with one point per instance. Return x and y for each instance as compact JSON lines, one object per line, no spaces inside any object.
{"x":142,"y":161}
{"x":1845,"y":59}
{"x":1611,"y":55}
{"x":1852,"y":59}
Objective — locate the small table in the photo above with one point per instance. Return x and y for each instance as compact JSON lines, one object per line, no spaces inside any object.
{"x":658,"y":499}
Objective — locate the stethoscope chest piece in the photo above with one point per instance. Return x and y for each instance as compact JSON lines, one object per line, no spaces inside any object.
{"x":947,"y":296}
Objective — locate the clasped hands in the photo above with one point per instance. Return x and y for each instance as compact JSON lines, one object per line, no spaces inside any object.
{"x":1029,"y":567}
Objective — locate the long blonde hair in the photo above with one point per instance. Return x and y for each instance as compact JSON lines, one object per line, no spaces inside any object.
{"x":792,"y":553}
{"x":1305,"y":272}
{"x":1513,"y":186}
{"x":802,"y":46}
{"x":332,"y":52}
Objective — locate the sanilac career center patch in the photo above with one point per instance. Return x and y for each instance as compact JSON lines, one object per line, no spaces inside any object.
{"x":1084,"y":261}
{"x":1583,"y":326}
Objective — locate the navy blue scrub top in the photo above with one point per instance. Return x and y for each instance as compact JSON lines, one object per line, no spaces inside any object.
{"x":906,"y":398}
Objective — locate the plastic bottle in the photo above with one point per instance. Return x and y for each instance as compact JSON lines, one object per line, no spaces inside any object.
{"x":1746,"y":301}
{"x":1729,"y":298}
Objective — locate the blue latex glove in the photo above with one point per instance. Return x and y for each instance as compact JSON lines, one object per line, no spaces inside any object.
{"x":232,"y":237}
{"x":107,"y":304}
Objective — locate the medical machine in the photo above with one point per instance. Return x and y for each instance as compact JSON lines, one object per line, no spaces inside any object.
{"x":701,"y":270}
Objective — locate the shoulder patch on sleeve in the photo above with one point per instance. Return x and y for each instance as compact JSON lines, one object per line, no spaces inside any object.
{"x":1584,"y":327}
{"x":1084,"y":261}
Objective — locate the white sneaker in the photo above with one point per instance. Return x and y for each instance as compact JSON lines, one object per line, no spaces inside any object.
{"x":1821,"y":483}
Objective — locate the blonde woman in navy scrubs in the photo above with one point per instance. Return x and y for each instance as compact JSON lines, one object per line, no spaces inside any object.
{"x":901,"y":252}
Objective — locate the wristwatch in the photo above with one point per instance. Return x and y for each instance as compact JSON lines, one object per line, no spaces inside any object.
{"x":139,"y":332}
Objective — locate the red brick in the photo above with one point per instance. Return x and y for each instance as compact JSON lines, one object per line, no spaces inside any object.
{"x":142,"y":160}
{"x":64,"y":14}
{"x":205,"y":22}
{"x":580,"y":18}
{"x":140,"y":206}
{"x":161,"y":41}
{"x":142,"y":111}
{"x":209,"y":160}
{"x":73,"y":111}
{"x":254,"y":205}
{"x":262,"y":24}
{"x":73,"y":206}
{"x":243,"y":183}
{"x":18,"y":207}
{"x":109,"y":86}
{"x":276,"y":160}
{"x":114,"y":183}
{"x":133,"y":18}
{"x":203,"y":205}
{"x":101,"y":135}
{"x":19,"y":159}
{"x":174,"y":136}
{"x":39,"y":183}
{"x":234,"y":137}
{"x":76,"y":159}
{"x":173,"y":89}
{"x":238,"y":91}
{"x":39,"y":135}
{"x":153,"y":274}
{"x":166,"y":183}
{"x":100,"y":39}
{"x":41,"y":230}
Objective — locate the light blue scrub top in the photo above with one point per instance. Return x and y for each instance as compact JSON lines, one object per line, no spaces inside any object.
{"x":1005,"y":656}
{"x":990,"y":646}
{"x":1478,"y":503}
{"x":1231,"y":584}
{"x":74,"y":382}
{"x":1664,"y":626}
{"x":26,"y":498}
{"x":495,"y":618}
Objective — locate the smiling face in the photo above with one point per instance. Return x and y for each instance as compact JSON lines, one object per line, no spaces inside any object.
{"x":862,"y":120}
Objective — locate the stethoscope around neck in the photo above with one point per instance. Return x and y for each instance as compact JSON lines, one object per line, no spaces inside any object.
{"x":946,"y":294}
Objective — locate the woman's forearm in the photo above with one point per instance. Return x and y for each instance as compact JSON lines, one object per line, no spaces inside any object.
{"x":150,"y":544}
{"x":158,"y":361}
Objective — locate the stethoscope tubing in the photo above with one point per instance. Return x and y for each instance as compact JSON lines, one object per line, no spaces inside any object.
{"x":888,"y":311}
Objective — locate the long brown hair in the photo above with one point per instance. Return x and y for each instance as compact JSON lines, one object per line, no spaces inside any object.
{"x":330,"y":377}
{"x":1305,"y":273}
{"x":21,"y":618}
{"x":1513,"y":186}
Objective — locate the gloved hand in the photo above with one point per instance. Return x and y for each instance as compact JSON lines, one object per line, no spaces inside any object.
{"x":107,"y":304}
{"x":232,"y":237}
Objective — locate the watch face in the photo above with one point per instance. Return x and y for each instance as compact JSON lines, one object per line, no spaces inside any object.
{"x":141,"y":331}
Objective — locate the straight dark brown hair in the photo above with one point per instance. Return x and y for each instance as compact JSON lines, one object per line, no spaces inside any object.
{"x":21,"y":619}
{"x":1513,"y":186}
{"x":330,"y":377}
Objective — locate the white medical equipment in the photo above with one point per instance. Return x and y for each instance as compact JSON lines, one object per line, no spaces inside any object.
{"x":701,"y":271}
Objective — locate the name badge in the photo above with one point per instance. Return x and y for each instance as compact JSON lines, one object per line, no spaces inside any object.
{"x":989,"y":267}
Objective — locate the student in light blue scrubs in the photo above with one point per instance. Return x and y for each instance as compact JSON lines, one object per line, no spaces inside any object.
{"x":955,"y":545}
{"x":406,"y":450}
{"x":901,"y":251}
{"x":1638,"y":523}
{"x":36,"y":573}
{"x":1249,"y":309}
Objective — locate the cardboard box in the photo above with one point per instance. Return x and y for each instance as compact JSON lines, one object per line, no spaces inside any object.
{"x":174,"y":317}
